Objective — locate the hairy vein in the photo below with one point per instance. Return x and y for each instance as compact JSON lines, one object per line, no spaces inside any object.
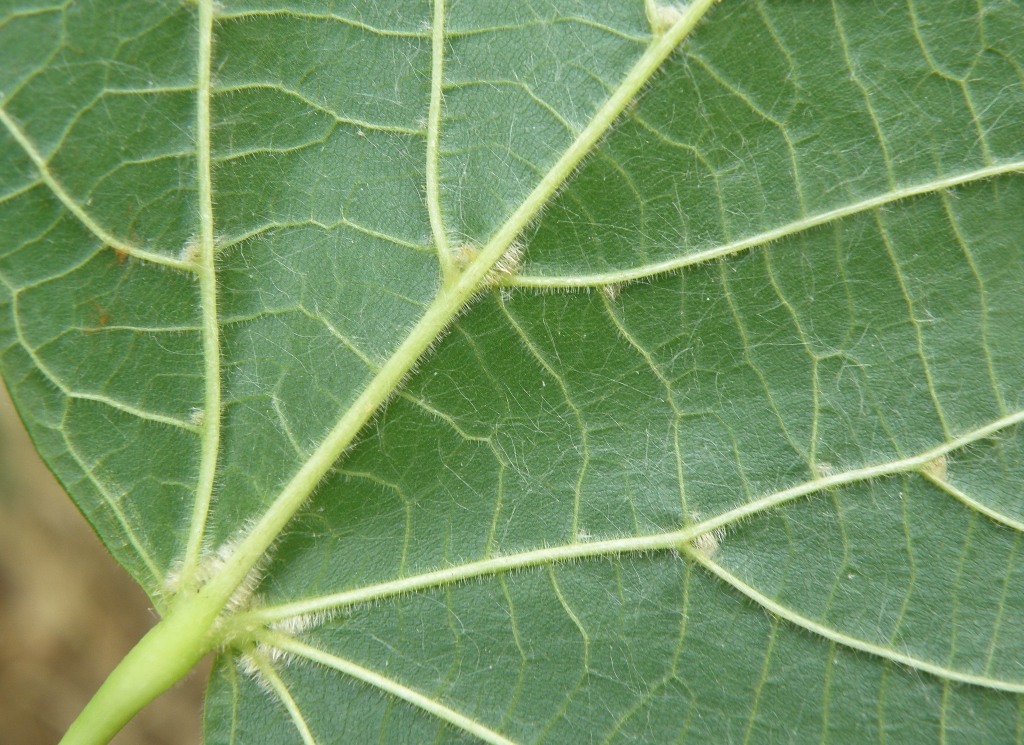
{"x":206,"y":267}
{"x":266,"y":672}
{"x":974,"y":504}
{"x":845,"y":639}
{"x":71,"y":393}
{"x":633,"y":544}
{"x":645,"y":271}
{"x":388,"y":685}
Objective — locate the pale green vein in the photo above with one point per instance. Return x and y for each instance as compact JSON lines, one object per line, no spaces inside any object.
{"x":223,"y":15}
{"x":1008,"y":576}
{"x":207,"y":270}
{"x":865,"y":94}
{"x":895,"y":635}
{"x":444,"y":254}
{"x":499,"y":499}
{"x":117,"y":91}
{"x":448,"y":419}
{"x":768,"y":117}
{"x":23,"y":189}
{"x":516,"y":691}
{"x":76,"y":209}
{"x":584,"y":144}
{"x":748,"y":357}
{"x":450,"y":301}
{"x":826,"y":692}
{"x":66,"y":271}
{"x":134,"y":411}
{"x":232,"y":674}
{"x":275,"y":403}
{"x":559,"y":714}
{"x":762,"y":681}
{"x":944,"y":711}
{"x":636,"y":708}
{"x":957,"y":620}
{"x":350,"y":345}
{"x":915,"y":322}
{"x":268,"y":674}
{"x":518,"y":85}
{"x":584,"y":446}
{"x":852,"y":642}
{"x":974,"y":504}
{"x":635,"y":544}
{"x":232,"y":241}
{"x":545,"y":23}
{"x":361,"y":125}
{"x":14,"y":15}
{"x":794,"y":161}
{"x":407,"y":506}
{"x":110,"y":327}
{"x":430,"y":705}
{"x":670,"y":398}
{"x":815,"y":358}
{"x":804,"y":224}
{"x":986,"y":312}
{"x":572,"y":616}
{"x":653,"y":10}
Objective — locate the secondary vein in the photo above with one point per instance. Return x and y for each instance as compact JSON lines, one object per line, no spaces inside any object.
{"x":670,"y":540}
{"x":388,"y":685}
{"x":808,"y":222}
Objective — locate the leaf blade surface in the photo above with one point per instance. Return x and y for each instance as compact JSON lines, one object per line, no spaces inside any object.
{"x":529,"y":537}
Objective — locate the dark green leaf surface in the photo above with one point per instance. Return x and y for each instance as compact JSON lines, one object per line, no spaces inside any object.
{"x":763,"y":352}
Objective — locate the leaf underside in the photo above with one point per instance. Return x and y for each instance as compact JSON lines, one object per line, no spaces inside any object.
{"x":762,"y":351}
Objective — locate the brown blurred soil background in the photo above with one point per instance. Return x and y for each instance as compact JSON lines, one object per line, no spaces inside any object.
{"x":68,"y":612}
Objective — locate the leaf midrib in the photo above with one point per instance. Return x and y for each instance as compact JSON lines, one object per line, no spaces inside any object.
{"x":448,"y":303}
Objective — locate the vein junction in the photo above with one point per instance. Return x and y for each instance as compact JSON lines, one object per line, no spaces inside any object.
{"x":450,"y":301}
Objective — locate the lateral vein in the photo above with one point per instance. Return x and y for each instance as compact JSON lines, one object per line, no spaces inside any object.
{"x":646,"y":271}
{"x":670,"y":540}
{"x":846,"y":640}
{"x":426,"y":703}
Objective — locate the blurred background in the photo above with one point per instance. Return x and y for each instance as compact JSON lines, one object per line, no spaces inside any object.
{"x":68,"y":612}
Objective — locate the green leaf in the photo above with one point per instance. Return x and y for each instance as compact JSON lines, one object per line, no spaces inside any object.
{"x":543,"y":371}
